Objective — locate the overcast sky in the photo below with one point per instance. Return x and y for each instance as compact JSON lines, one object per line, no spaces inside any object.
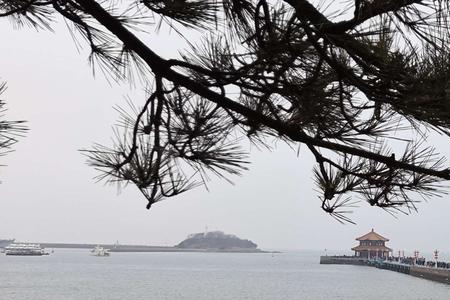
{"x":48,"y":193}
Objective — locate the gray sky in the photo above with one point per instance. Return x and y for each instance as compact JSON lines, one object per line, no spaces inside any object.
{"x":48,"y":192}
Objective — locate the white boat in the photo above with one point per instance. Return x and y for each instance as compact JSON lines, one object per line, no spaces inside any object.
{"x":100,"y":251}
{"x":25,"y":249}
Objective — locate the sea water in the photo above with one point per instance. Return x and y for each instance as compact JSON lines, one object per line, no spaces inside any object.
{"x":74,"y":274}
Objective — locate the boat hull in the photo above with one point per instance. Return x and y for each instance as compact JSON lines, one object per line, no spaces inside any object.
{"x":25,"y":254}
{"x":103,"y":255}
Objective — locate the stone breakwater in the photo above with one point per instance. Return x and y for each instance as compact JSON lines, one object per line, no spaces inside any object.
{"x":144,"y":248}
{"x":434,"y":274}
{"x":440,"y":275}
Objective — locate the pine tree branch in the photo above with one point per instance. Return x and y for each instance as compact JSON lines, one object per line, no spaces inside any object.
{"x":160,"y":67}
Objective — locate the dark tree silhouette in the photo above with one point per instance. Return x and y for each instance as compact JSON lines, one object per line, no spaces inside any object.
{"x":344,"y":84}
{"x":9,"y":130}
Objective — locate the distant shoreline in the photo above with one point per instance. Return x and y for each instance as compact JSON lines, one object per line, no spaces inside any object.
{"x":145,"y":248}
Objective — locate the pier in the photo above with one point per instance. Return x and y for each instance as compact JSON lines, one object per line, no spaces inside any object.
{"x":436,"y":274}
{"x":373,"y":252}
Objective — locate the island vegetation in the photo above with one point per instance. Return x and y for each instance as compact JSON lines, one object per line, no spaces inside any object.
{"x":216,"y":240}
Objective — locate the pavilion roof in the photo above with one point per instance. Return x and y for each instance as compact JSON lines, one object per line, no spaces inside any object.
{"x":371,"y":248}
{"x":372,"y":236}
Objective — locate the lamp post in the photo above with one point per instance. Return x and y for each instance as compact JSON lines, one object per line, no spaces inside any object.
{"x":416,"y":256}
{"x":436,"y":255}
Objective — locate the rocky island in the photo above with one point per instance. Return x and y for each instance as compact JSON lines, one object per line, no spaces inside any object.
{"x":217,"y":241}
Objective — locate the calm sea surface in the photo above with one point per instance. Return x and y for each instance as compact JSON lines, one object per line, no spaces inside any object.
{"x":73,"y":274}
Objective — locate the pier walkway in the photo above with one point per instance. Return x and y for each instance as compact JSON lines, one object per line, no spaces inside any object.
{"x":435,"y":274}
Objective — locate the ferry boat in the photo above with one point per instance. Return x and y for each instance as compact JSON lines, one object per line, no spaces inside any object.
{"x":100,"y":251}
{"x":25,"y":249}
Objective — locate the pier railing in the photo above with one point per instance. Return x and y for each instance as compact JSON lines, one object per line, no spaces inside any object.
{"x":405,"y":266}
{"x":411,"y":261}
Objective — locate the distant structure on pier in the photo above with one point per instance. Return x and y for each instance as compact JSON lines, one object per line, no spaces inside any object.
{"x":372,"y":245}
